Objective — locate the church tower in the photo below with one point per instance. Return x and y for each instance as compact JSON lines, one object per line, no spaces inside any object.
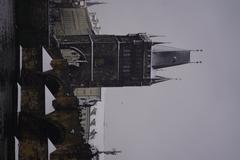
{"x":115,"y":61}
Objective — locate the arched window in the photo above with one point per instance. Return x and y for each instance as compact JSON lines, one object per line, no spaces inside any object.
{"x":73,"y":54}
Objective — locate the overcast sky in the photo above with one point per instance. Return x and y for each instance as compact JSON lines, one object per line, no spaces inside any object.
{"x":196,"y":118}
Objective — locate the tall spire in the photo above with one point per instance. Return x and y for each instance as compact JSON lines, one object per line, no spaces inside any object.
{"x":165,"y":56}
{"x":159,"y":79}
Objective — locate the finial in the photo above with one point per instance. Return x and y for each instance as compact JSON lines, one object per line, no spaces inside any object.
{"x":197,"y":62}
{"x":197,"y":50}
{"x":159,"y":79}
{"x":176,"y":79}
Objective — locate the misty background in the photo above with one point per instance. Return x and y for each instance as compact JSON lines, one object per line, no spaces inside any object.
{"x":196,"y":118}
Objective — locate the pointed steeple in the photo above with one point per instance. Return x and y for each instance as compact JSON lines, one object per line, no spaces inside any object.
{"x":165,"y":56}
{"x":159,"y":79}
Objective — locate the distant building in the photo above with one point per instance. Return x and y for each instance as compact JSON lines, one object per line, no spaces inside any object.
{"x":88,"y":97}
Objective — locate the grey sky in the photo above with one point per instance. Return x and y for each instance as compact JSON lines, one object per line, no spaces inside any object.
{"x":193,"y":119}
